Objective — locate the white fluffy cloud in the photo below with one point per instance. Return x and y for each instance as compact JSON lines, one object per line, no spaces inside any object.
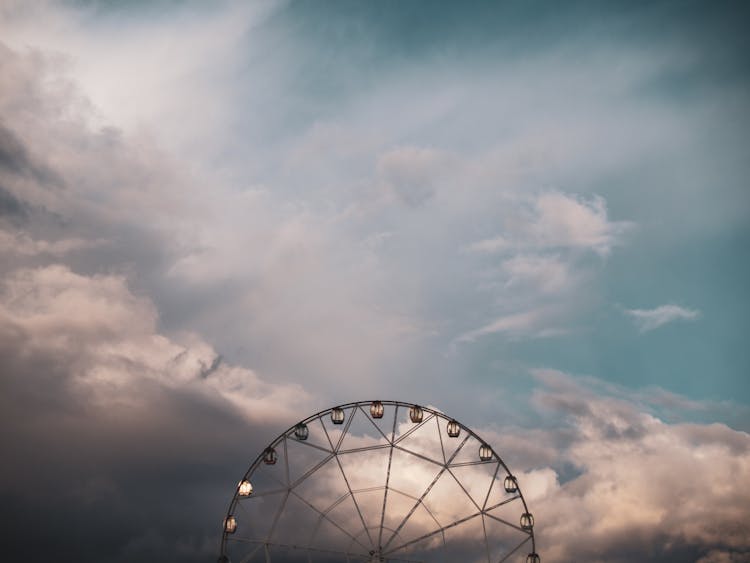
{"x":543,"y":249}
{"x":110,"y":339}
{"x":140,"y":74}
{"x":553,"y":220}
{"x":650,"y":319}
{"x":678,"y":488}
{"x":602,"y":469}
{"x":550,"y":274}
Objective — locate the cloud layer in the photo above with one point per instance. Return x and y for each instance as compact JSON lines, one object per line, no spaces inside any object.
{"x":672,"y":486}
{"x":216,"y":220}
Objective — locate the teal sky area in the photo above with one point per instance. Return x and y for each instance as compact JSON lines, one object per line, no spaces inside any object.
{"x":655,"y":96}
{"x":641,"y":104}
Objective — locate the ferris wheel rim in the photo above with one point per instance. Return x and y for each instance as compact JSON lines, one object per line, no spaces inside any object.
{"x":353,"y":405}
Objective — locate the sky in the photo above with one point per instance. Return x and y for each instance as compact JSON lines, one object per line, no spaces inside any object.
{"x":217,"y":218}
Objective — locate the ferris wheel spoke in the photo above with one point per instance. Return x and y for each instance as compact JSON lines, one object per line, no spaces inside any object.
{"x":433,"y":533}
{"x":312,"y":470}
{"x":486,"y":541}
{"x":343,"y":433}
{"x":311,"y":519}
{"x":492,"y":484}
{"x":262,"y":543}
{"x":343,"y":474}
{"x":354,"y":499}
{"x":395,"y":420}
{"x":317,"y":447}
{"x":415,"y":454}
{"x":413,"y":429}
{"x":507,"y":523}
{"x":346,"y":429}
{"x":460,"y":484}
{"x":328,"y":437}
{"x":519,"y":546}
{"x":470,"y":463}
{"x":426,"y":492}
{"x":277,"y":516}
{"x":416,"y":499}
{"x":501,"y":503}
{"x":241,"y":539}
{"x":262,"y":494}
{"x":368,"y":417}
{"x":258,"y":546}
{"x":322,"y":515}
{"x":440,"y":436}
{"x":364,"y":449}
{"x":243,"y":509}
{"x":455,"y":453}
{"x":286,"y":460}
{"x":250,"y":555}
{"x":387,"y":481}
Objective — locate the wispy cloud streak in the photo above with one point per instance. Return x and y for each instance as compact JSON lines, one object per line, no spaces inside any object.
{"x":651,"y":319}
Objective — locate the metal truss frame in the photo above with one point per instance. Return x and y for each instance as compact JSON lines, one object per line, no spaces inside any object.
{"x":383,"y":543}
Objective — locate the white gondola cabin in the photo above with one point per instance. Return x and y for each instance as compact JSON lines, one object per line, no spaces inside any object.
{"x":301,"y":432}
{"x":527,"y":521}
{"x":377,"y":409}
{"x":511,"y":485}
{"x":337,"y":415}
{"x":270,"y":456}
{"x":245,"y":488}
{"x":453,"y":429}
{"x":416,"y":414}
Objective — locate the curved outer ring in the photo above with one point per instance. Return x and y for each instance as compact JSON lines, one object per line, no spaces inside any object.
{"x":355,"y":404}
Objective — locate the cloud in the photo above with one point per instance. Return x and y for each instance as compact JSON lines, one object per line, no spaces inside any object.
{"x":599,"y":470}
{"x":650,"y":319}
{"x":259,"y":231}
{"x":127,"y":415}
{"x":549,"y":274}
{"x":413,"y":172}
{"x":248,"y":266}
{"x":673,"y":486}
{"x":109,"y":339}
{"x":719,"y":556}
{"x":558,"y":220}
{"x":22,"y":244}
{"x":136,"y":71}
{"x":537,"y":323}
{"x":544,"y":268}
{"x":568,"y":221}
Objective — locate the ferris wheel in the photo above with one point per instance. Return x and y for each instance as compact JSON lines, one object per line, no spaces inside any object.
{"x":376,"y":481}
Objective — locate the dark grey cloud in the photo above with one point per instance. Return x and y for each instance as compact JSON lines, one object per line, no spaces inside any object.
{"x":100,"y":460}
{"x":15,"y":161}
{"x":13,"y":155}
{"x":16,"y":158}
{"x":10,"y":206}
